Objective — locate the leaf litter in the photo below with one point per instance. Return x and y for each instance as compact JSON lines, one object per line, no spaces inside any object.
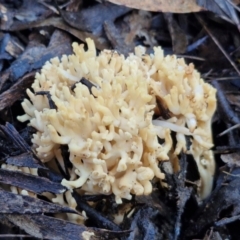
{"x":33,"y":32}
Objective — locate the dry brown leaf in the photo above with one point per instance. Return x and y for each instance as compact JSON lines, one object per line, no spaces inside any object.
{"x":176,"y":6}
{"x":179,"y":38}
{"x":139,"y":24}
{"x":231,"y":159}
{"x":100,"y":41}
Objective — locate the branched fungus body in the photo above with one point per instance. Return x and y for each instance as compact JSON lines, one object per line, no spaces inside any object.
{"x":104,"y":107}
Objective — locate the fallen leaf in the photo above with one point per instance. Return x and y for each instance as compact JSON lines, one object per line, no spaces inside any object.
{"x":179,"y":38}
{"x":12,"y":45}
{"x":15,"y":203}
{"x":87,"y":19}
{"x":222,"y":8}
{"x":114,"y":35}
{"x":232,"y":159}
{"x":35,"y":56}
{"x":42,"y":226}
{"x":17,"y":91}
{"x":100,"y":41}
{"x":25,"y":160}
{"x":176,"y":6}
{"x":30,"y":182}
{"x":11,"y":133}
{"x":30,"y":11}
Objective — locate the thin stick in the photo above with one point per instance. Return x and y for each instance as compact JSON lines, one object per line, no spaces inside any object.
{"x":217,"y":43}
{"x":226,"y":109}
{"x":229,"y":129}
{"x":14,"y":235}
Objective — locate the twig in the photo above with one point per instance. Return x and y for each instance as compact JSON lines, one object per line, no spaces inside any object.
{"x":14,"y":235}
{"x":232,"y":138}
{"x":226,"y":109}
{"x":224,"y":78}
{"x":234,"y":5}
{"x":196,"y":44}
{"x":205,"y":75}
{"x":229,"y":129}
{"x":226,"y":149}
{"x":191,"y":57}
{"x":217,"y":43}
{"x":48,"y":6}
{"x":227,"y":221}
{"x":230,"y":174}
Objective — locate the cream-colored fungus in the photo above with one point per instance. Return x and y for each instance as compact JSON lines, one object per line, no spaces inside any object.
{"x":109,"y":129}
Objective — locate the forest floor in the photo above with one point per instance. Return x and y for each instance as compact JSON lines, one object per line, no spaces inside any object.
{"x":32,"y":32}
